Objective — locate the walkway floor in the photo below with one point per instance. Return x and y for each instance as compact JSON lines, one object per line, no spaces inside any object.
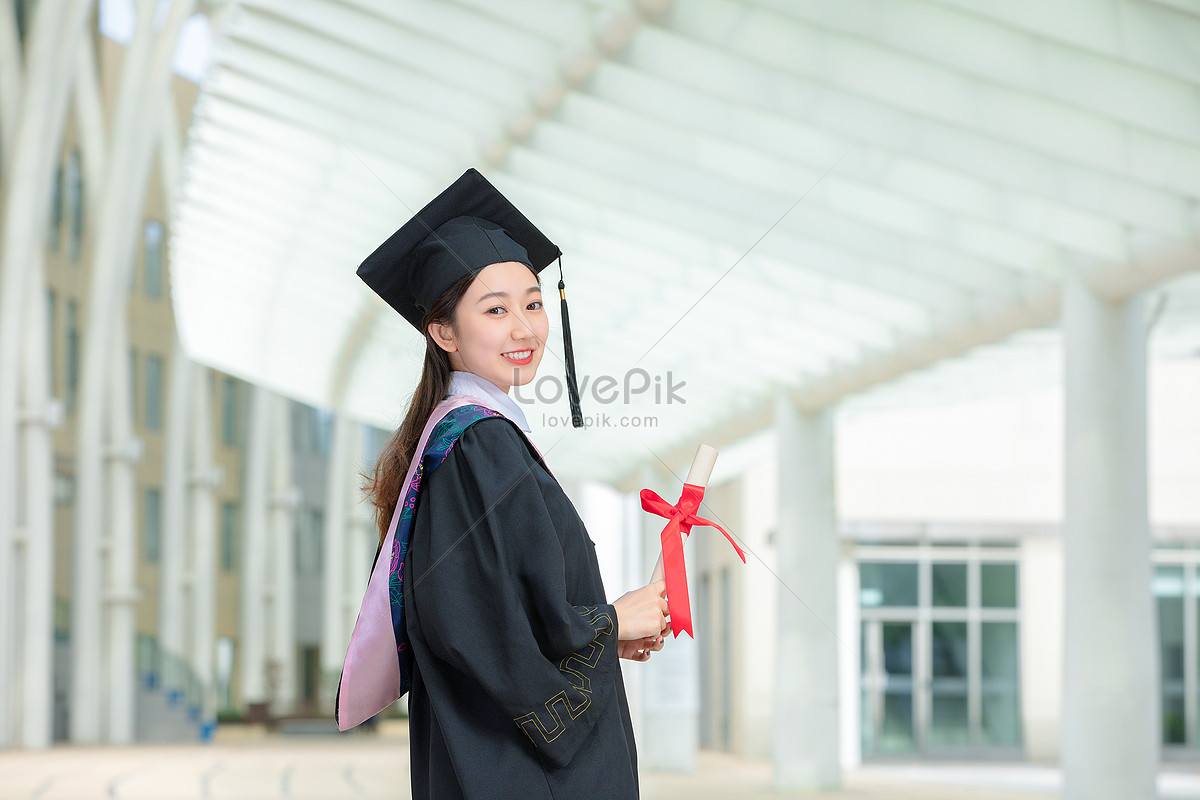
{"x":365,"y":766}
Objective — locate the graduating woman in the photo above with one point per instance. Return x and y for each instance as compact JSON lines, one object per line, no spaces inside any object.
{"x":499,"y":623}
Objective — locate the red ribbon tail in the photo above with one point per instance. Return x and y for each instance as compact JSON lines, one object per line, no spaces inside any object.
{"x":675,"y":573}
{"x":702,"y":521}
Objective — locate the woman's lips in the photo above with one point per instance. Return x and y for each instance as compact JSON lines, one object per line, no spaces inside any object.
{"x":510,"y":356}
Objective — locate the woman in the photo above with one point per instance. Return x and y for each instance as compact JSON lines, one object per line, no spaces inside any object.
{"x":515,"y":686}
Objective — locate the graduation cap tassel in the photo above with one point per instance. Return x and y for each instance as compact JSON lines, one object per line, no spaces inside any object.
{"x":572,"y":390}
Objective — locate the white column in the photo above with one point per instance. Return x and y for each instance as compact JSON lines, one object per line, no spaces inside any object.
{"x":141,"y":97}
{"x":334,"y":634}
{"x":285,"y":499}
{"x":759,"y":606}
{"x":42,"y":415}
{"x":1041,"y":646}
{"x":849,"y":681}
{"x":121,"y":598}
{"x":252,"y":638}
{"x":1111,"y":714}
{"x":206,"y":477}
{"x":671,"y":678}
{"x":32,"y":144}
{"x":174,"y":543}
{"x":805,"y":749}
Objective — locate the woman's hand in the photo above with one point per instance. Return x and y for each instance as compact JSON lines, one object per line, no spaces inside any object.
{"x":640,"y":649}
{"x":642,"y":613}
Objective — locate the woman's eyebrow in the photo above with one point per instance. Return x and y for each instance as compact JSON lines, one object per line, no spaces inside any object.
{"x":489,"y":295}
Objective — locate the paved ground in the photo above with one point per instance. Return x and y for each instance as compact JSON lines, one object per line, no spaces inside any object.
{"x":365,"y":766}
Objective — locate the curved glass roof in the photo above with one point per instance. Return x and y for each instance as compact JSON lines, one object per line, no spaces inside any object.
{"x":827,"y":197}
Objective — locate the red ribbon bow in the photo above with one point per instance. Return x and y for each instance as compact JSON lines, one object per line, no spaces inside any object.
{"x":680,"y":518}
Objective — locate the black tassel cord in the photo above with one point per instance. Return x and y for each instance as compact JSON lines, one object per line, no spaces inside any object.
{"x":572,"y":390}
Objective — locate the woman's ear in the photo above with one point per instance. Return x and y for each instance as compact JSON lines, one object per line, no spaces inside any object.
{"x":443,"y":336}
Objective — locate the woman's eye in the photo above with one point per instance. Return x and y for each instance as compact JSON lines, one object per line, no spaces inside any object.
{"x":495,"y":308}
{"x":536,"y":304}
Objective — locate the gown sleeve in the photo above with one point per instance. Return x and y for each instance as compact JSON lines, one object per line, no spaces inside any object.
{"x":493,"y":597}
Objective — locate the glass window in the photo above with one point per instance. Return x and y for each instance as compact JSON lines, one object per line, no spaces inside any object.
{"x":151,"y":525}
{"x":896,"y":731}
{"x":224,"y":677}
{"x":229,"y":426}
{"x":1000,"y":667}
{"x":949,"y":650}
{"x":1168,"y":593}
{"x":228,"y":536}
{"x":309,"y":541}
{"x":54,"y":229}
{"x":950,"y":723}
{"x":24,"y":18}
{"x":152,"y":258}
{"x":72,"y":377}
{"x":324,"y":424}
{"x":64,"y":489}
{"x":74,"y":187}
{"x":998,"y":585}
{"x":887,"y":583}
{"x":133,"y":383}
{"x":949,"y":584}
{"x":154,"y":392}
{"x":311,"y":429}
{"x":52,"y":337}
{"x":962,"y":689}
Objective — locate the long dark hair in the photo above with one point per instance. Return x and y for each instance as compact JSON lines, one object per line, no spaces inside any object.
{"x":383,"y":487}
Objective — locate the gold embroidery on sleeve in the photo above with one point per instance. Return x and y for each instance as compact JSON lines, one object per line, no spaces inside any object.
{"x":571,"y":666}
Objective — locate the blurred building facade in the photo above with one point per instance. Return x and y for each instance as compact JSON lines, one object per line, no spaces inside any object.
{"x":183,"y":585}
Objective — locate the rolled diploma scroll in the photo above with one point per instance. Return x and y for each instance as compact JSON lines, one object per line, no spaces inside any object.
{"x":698,"y":475}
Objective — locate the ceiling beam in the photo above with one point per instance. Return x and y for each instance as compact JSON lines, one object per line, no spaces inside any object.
{"x":1114,"y":281}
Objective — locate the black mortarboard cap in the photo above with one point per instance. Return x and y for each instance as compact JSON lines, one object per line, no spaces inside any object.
{"x":467,"y":227}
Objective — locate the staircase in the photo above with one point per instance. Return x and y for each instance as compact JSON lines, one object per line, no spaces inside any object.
{"x":169,"y":698}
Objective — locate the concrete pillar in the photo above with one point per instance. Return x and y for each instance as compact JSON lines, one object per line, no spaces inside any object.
{"x":122,"y":595}
{"x":334,"y":633}
{"x":671,"y":679}
{"x":1111,"y":714}
{"x":1041,"y":646}
{"x":30,"y":149}
{"x":205,"y":479}
{"x":759,"y":606}
{"x":806,"y":745}
{"x":252,"y":639}
{"x":141,"y":97}
{"x":173,"y":547}
{"x":35,"y":561}
{"x":285,"y":499}
{"x":849,"y":660}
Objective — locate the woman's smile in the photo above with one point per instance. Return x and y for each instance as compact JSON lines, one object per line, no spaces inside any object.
{"x":519,"y":356}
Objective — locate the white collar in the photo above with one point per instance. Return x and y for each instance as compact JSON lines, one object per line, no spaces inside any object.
{"x":469,"y":383}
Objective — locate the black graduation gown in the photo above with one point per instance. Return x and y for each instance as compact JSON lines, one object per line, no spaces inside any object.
{"x":517,"y":691}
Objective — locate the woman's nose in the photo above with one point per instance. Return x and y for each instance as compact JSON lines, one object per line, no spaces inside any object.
{"x":521,"y":329}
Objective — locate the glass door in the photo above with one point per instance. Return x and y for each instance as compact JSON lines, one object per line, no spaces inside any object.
{"x":949,"y":703}
{"x":888,"y":688}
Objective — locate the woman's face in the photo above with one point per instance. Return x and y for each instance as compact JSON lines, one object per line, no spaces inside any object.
{"x":500,"y":326}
